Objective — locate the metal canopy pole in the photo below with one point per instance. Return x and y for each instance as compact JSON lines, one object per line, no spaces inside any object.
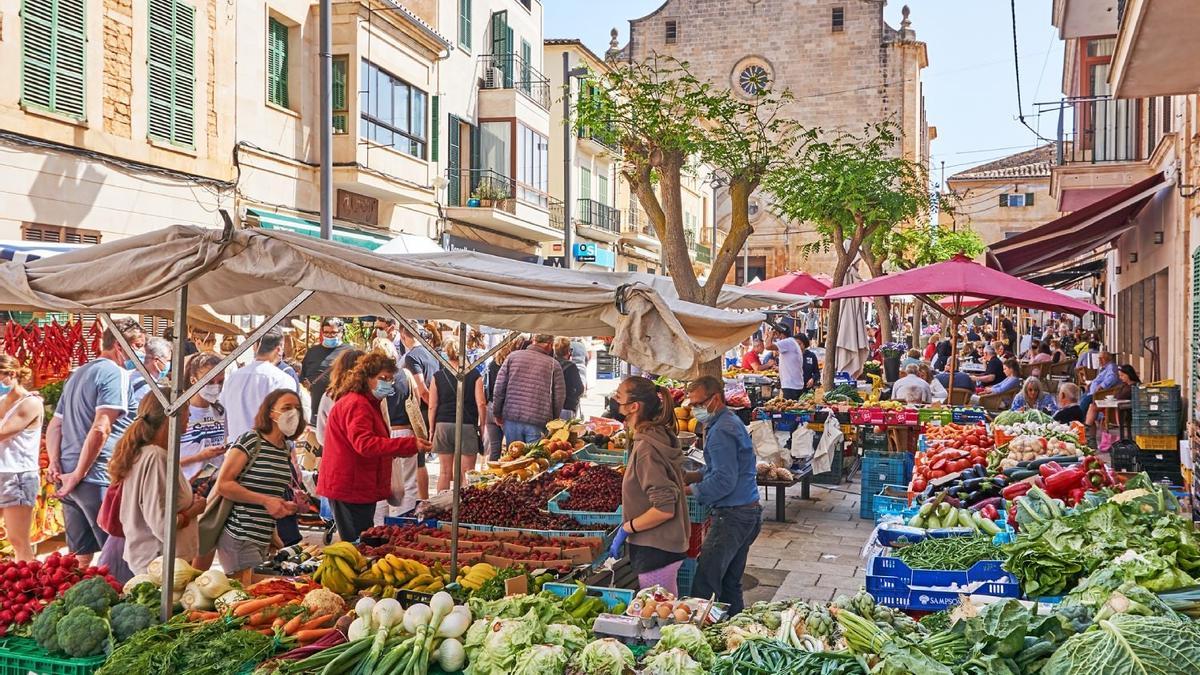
{"x":138,"y":365}
{"x":460,"y":374}
{"x":176,"y":424}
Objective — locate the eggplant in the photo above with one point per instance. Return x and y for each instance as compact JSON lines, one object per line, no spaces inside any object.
{"x":1000,"y":480}
{"x":953,"y":501}
{"x":1021,"y":474}
{"x":973,"y":484}
{"x":971,"y":498}
{"x":1061,"y":459}
{"x":994,"y":501}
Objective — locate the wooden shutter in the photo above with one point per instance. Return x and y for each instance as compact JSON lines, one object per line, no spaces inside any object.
{"x":602,"y":188}
{"x":1028,"y":199}
{"x":341,"y":112}
{"x":1003,"y":200}
{"x":526,"y":65}
{"x":171,"y":72}
{"x":464,"y":24}
{"x":434,"y":135}
{"x":454,"y":162}
{"x":52,"y":55}
{"x":277,"y":63}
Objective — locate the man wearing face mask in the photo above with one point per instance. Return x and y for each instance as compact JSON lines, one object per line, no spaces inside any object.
{"x":247,"y":387}
{"x":728,"y":485}
{"x":388,"y":328}
{"x":314,"y":371}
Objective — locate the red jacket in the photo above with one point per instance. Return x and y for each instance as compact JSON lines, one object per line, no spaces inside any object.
{"x":356,"y":461}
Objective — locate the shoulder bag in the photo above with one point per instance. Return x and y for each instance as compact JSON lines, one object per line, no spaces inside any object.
{"x":212,"y":521}
{"x":412,"y":406}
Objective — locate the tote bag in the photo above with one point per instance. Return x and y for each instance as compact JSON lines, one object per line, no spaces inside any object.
{"x":412,"y":406}
{"x":212,"y":521}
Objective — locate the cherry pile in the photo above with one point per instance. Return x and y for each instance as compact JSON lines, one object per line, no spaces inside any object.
{"x":511,"y":503}
{"x":599,"y":489}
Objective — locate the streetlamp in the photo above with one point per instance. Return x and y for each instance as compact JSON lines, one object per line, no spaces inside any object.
{"x":439,"y":184}
{"x":568,"y":141}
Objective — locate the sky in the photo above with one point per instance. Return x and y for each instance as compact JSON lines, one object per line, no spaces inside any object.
{"x":970,"y":91}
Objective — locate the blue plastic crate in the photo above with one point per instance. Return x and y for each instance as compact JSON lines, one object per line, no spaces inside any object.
{"x":880,"y":469}
{"x":585,"y":517}
{"x":685,"y":577}
{"x":697,"y":512}
{"x":401,"y":521}
{"x":599,"y":457}
{"x":891,"y":499}
{"x":894,"y":584}
{"x":969,"y":415}
{"x":610,"y":596}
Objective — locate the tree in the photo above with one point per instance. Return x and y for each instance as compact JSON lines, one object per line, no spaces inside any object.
{"x":850,"y":188}
{"x":664,"y":119}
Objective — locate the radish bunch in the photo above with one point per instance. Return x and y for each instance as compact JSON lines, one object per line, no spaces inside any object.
{"x":27,"y":587}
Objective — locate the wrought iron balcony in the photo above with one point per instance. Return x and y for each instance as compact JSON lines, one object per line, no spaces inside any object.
{"x":703,"y":254}
{"x":1095,"y":130}
{"x":597,"y":215}
{"x":510,"y":71}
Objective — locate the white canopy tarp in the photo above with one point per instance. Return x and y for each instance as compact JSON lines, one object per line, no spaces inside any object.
{"x":851,"y":352}
{"x":260,"y":271}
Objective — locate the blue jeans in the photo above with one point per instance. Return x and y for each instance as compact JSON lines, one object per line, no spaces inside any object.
{"x":520,"y":431}
{"x":723,"y":556}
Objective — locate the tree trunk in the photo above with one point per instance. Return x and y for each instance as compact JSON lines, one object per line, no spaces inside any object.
{"x":713,"y":367}
{"x":670,"y":228}
{"x":883,"y":306}
{"x":731,"y":248}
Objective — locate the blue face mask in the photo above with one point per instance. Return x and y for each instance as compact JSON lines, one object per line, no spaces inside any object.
{"x":165,"y":372}
{"x":384,"y":389}
{"x":701,"y":414}
{"x":5,"y":388}
{"x":331,"y":342}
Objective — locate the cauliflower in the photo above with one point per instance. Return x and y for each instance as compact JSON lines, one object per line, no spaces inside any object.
{"x":320,"y":601}
{"x":44,"y":625}
{"x":96,"y":594}
{"x":128,"y":618}
{"x":82,"y":633}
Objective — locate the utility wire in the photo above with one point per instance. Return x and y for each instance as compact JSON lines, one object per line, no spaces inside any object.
{"x":1017,"y":71}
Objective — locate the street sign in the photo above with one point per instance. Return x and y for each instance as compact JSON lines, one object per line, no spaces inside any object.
{"x":584,"y":252}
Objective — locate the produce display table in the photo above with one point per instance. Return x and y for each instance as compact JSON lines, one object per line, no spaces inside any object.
{"x":803,"y":475}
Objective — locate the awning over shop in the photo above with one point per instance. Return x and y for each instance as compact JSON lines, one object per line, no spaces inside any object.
{"x":1069,"y":275}
{"x":311,"y":228}
{"x":1074,"y":234}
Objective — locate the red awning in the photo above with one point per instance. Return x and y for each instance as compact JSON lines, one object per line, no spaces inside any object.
{"x":1076,"y":233}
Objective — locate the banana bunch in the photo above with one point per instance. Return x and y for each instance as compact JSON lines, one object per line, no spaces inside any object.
{"x":392,"y":572}
{"x":473,"y":577}
{"x":339,"y":568}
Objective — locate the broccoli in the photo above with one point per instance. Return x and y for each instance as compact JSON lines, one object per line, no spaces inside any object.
{"x":128,"y":618}
{"x":44,"y":625}
{"x":82,"y":633}
{"x":96,"y":594}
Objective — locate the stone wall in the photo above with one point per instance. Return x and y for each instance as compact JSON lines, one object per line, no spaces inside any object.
{"x":118,"y":66}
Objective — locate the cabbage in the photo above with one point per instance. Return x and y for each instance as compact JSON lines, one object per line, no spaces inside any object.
{"x":685,"y":636}
{"x":494,"y":649}
{"x":571,"y":637}
{"x":671,"y":662}
{"x":1130,"y":644}
{"x":604,"y":657}
{"x":541,"y":660}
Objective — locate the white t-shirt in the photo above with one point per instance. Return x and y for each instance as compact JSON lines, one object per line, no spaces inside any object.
{"x":791,"y":364}
{"x":244,"y":391}
{"x":911,"y":389}
{"x":204,"y":429}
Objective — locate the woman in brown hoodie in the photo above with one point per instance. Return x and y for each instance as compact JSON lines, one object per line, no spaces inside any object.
{"x":652,"y":494}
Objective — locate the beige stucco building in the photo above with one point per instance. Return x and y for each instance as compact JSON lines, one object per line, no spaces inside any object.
{"x":845,"y":65}
{"x":1004,"y":197}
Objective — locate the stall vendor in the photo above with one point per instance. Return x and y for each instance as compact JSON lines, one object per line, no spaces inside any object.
{"x":728,"y":485}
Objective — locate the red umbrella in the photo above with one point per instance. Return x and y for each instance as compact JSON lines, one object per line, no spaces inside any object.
{"x":793,"y":283}
{"x":972,"y":288}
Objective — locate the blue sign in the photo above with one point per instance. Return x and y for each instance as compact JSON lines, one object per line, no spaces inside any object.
{"x":584,"y":252}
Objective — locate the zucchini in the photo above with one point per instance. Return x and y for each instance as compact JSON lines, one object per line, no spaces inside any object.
{"x":1021,"y":474}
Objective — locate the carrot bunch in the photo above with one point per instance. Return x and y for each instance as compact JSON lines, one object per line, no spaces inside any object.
{"x":276,"y":614}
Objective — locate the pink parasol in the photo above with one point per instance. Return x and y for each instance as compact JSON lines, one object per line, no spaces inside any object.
{"x":793,"y":283}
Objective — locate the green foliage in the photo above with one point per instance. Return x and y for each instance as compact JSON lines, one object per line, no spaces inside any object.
{"x":919,"y":244}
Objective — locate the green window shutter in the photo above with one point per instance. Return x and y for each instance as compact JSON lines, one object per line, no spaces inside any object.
{"x":277,"y":63}
{"x":1003,"y":201}
{"x":341,"y":114}
{"x":585,"y":183}
{"x":454,"y":162}
{"x":602,"y":189}
{"x":171,"y":72}
{"x":53,"y":43}
{"x":464,"y":23}
{"x":1028,"y":199}
{"x":526,"y":65}
{"x":434,"y":135}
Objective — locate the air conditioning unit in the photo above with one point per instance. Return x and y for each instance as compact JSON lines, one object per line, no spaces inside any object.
{"x":493,"y":78}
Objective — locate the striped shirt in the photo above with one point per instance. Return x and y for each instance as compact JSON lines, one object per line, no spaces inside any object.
{"x":270,"y":474}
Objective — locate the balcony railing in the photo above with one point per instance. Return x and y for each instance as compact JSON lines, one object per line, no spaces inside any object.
{"x":510,"y":71}
{"x":1096,"y":130}
{"x":486,"y":185}
{"x":604,"y":140}
{"x":597,"y":215}
{"x":556,"y":213}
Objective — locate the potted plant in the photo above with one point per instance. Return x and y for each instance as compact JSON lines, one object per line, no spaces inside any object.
{"x":489,"y":194}
{"x":892,"y":352}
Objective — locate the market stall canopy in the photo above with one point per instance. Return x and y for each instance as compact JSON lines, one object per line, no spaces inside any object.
{"x":257,"y":271}
{"x":964,"y":279}
{"x":1077,"y":233}
{"x":731,"y":297}
{"x":968,"y":302}
{"x":793,"y":283}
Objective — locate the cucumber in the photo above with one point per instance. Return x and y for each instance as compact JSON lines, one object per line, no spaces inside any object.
{"x":1020,"y":474}
{"x":986,"y":526}
{"x":964,"y":519}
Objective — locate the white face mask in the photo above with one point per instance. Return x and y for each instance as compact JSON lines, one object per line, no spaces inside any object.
{"x":211,"y":392}
{"x":289,"y":422}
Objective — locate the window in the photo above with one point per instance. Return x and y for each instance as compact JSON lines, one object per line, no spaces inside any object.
{"x":602,"y":188}
{"x":393,"y":111}
{"x":838,"y":22}
{"x":527,"y":4}
{"x":464,"y":24}
{"x":672,"y":32}
{"x":1016,"y":200}
{"x":651,"y":270}
{"x":631,"y":267}
{"x":341,"y":105}
{"x":585,"y":183}
{"x":494,"y":141}
{"x":277,"y":63}
{"x":533,"y":170}
{"x":52,"y":55}
{"x":57,"y":234}
{"x":171,"y":72}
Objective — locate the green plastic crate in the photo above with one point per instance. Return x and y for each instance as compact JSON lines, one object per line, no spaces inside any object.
{"x":22,"y":656}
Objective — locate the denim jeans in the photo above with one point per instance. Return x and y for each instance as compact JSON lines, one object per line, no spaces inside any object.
{"x":493,"y":438}
{"x":520,"y":431}
{"x":723,"y":556}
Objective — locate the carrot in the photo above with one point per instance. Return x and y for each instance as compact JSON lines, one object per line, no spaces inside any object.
{"x":197,"y":615}
{"x":248,"y":607}
{"x":278,"y":622}
{"x":264,"y":617}
{"x":311,"y":635}
{"x":318,"y":622}
{"x":293,"y":625}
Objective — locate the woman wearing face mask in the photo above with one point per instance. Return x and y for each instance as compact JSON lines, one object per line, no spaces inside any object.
{"x":20,"y":437}
{"x":337,"y":379}
{"x":203,"y":440}
{"x":356,"y":461}
{"x":255,"y":474}
{"x":652,"y":493}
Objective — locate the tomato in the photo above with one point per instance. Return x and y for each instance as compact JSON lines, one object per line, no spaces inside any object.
{"x":918,"y":484}
{"x":936,"y":475}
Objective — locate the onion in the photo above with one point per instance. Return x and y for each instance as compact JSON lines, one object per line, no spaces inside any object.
{"x":456,"y":623}
{"x":386,"y":613}
{"x":451,"y":656}
{"x":416,"y":616}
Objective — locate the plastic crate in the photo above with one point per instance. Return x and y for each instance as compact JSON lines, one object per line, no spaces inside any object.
{"x":907,"y":417}
{"x":869,"y":439}
{"x":834,"y":475}
{"x":610,"y":596}
{"x":968,"y":415}
{"x":401,"y":521}
{"x":880,"y":469}
{"x":1124,"y":456}
{"x":685,"y":577}
{"x":697,"y":512}
{"x":585,"y":517}
{"x":1157,"y":443}
{"x":22,"y":656}
{"x":1162,"y":465}
{"x":868,"y":416}
{"x":891,"y":499}
{"x":894,"y":584}
{"x":935,"y":416}
{"x":586,"y":455}
{"x":1153,"y":399}
{"x":1156,"y":426}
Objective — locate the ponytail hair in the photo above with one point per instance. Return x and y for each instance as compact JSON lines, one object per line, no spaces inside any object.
{"x":141,"y":432}
{"x":658,"y":406}
{"x":11,"y":366}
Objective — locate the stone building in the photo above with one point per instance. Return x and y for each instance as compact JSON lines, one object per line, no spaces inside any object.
{"x":846,"y":67}
{"x":1004,"y":197}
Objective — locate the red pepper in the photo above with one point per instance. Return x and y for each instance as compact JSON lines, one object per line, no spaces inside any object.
{"x":1049,"y":469}
{"x":1015,"y":490}
{"x":1064,"y":481}
{"x":1012,"y":515}
{"x":1075,"y":496}
{"x":1040,"y":482}
{"x":989,"y":512}
{"x":1094,"y":479}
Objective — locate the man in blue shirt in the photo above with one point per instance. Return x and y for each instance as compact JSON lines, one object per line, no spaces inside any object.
{"x":728,"y":485}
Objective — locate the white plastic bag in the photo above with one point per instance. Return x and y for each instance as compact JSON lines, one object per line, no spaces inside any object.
{"x":766,"y":443}
{"x":832,"y":441}
{"x":803,"y":440}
